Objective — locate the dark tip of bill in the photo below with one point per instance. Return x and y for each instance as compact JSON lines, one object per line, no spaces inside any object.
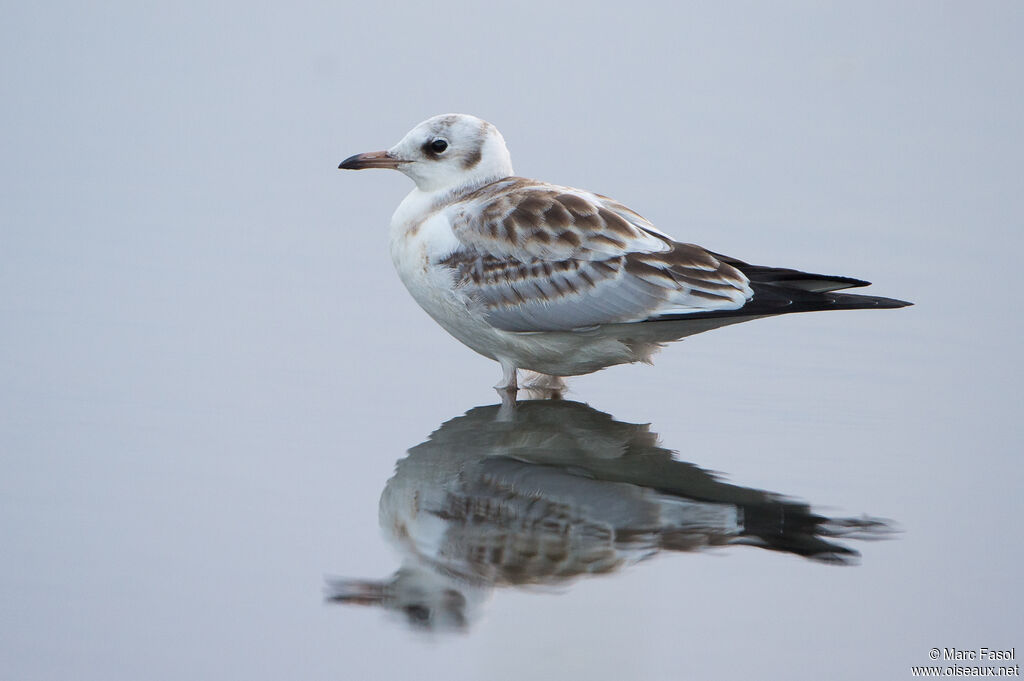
{"x":350,"y":163}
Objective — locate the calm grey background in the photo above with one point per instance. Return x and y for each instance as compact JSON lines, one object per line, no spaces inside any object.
{"x":209,"y":369}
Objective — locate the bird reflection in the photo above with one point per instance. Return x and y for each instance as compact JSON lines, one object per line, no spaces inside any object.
{"x":543,"y":492}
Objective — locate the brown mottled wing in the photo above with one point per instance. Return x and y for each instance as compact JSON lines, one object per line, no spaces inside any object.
{"x":538,"y":257}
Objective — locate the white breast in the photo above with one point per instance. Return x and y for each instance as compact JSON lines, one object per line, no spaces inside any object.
{"x":420,"y":238}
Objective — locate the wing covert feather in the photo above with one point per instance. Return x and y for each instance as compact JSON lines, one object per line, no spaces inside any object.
{"x":540,"y":257}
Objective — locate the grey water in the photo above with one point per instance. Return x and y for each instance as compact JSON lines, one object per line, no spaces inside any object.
{"x":232,"y":446}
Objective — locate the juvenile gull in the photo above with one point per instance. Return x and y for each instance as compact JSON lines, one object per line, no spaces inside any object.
{"x":561,"y":281}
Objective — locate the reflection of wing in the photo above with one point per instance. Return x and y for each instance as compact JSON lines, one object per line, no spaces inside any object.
{"x":513,"y":522}
{"x":539,"y":257}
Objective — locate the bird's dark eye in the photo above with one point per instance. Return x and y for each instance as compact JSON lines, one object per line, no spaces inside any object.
{"x":438,"y":146}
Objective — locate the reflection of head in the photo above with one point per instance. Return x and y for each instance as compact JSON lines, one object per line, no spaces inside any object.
{"x":550,"y":491}
{"x":427,"y":599}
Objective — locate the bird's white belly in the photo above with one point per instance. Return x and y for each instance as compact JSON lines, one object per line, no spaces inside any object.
{"x":433,"y":287}
{"x":416,"y":252}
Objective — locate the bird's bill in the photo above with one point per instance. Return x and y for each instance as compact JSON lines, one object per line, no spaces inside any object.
{"x":372,"y":159}
{"x":357,"y":591}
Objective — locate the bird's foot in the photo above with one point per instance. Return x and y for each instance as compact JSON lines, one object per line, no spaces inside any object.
{"x":543,"y":386}
{"x":508,"y":379}
{"x":507,"y":388}
{"x":543,"y":394}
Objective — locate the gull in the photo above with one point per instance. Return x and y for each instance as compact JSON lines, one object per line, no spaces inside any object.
{"x":560,"y":281}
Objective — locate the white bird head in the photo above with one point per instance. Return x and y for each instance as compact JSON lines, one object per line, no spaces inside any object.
{"x":444,"y":152}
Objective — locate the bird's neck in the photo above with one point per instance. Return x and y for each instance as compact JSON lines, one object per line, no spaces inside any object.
{"x":447,"y":195}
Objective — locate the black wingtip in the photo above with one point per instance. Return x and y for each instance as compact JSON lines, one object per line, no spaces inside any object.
{"x":770,"y":300}
{"x":794,"y":279}
{"x":775,"y":299}
{"x":847,"y":301}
